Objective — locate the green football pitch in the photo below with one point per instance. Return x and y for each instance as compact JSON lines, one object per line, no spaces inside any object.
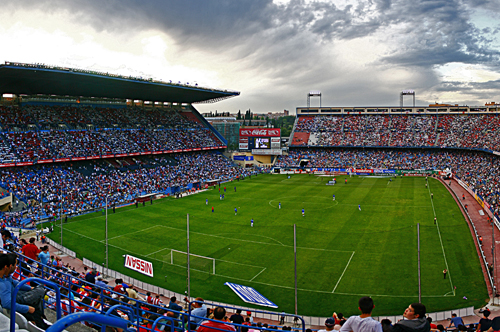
{"x":343,"y":252}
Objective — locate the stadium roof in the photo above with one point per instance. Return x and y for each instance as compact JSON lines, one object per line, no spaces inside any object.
{"x":24,"y":79}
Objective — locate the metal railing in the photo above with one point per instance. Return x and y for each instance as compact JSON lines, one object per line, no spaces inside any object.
{"x":104,"y":302}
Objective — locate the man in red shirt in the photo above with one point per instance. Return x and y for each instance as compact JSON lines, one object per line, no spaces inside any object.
{"x":149,"y":298}
{"x":119,"y":286}
{"x":213,"y":326}
{"x":30,"y":250}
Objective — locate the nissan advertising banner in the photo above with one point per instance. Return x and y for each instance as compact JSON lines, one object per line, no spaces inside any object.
{"x":139,"y":265}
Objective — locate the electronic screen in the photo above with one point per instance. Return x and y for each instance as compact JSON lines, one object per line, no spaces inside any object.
{"x":262,"y":143}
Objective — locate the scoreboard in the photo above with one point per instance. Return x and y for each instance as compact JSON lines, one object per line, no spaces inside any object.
{"x":262,"y":142}
{"x":260,"y":138}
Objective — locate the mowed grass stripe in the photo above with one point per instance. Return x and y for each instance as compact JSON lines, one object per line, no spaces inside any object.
{"x":383,"y":235}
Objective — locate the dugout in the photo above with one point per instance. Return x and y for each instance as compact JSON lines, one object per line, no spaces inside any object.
{"x":249,"y":159}
{"x":145,"y":198}
{"x":303,"y":162}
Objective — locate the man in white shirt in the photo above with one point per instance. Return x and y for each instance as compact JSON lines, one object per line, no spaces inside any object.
{"x":363,"y":322}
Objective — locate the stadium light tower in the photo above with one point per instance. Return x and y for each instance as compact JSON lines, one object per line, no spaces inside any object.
{"x":406,"y":93}
{"x":60,"y":217}
{"x":107,"y":252}
{"x":313,"y":94}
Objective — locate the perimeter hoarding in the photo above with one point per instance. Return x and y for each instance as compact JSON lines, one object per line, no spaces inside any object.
{"x":359,"y":171}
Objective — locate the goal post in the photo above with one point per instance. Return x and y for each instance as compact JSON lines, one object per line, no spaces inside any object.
{"x":197,"y":262}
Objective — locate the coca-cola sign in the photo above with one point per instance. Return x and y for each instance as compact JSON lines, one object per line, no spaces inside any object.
{"x":261,"y":132}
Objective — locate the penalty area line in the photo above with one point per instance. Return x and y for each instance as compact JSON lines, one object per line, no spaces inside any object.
{"x":349,"y":262}
{"x":268,"y":284}
{"x":141,"y":230}
{"x":258,"y":274}
{"x":157,"y":251}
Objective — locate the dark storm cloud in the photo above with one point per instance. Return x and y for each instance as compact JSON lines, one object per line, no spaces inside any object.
{"x":435,"y":31}
{"x":291,"y":45}
{"x":440,"y":32}
{"x":470,"y":87}
{"x":187,"y":21}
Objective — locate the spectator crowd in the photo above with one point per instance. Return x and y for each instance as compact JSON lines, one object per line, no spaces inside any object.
{"x":472,"y":131}
{"x":47,"y":191}
{"x":31,"y":134}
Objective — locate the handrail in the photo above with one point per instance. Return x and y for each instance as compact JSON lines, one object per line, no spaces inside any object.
{"x":116,"y":307}
{"x":16,"y":290}
{"x":170,"y":319}
{"x":136,"y":309}
{"x":93,"y":317}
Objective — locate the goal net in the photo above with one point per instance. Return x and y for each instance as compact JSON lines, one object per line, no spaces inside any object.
{"x":196,"y":262}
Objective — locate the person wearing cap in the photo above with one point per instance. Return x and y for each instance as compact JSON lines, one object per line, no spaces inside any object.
{"x":90,"y":277}
{"x":363,"y":322}
{"x":329,"y":324}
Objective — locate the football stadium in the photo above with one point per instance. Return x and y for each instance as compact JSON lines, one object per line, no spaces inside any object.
{"x":142,"y":218}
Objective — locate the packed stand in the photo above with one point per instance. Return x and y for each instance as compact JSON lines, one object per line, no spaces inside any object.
{"x":49,"y":191}
{"x":472,"y":131}
{"x":34,"y":133}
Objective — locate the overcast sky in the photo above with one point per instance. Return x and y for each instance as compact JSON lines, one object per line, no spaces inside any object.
{"x":357,"y":53}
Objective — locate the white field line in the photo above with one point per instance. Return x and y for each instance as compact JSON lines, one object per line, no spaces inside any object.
{"x":440,"y":240}
{"x":337,"y":203}
{"x":119,"y":210}
{"x":157,"y":251}
{"x":267,"y":284}
{"x":349,"y":262}
{"x":257,"y":274}
{"x":250,"y":241}
{"x":139,"y":231}
{"x":216,"y":259}
{"x":162,"y":261}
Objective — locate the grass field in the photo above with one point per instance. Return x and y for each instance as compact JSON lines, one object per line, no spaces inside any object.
{"x":342,"y":254}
